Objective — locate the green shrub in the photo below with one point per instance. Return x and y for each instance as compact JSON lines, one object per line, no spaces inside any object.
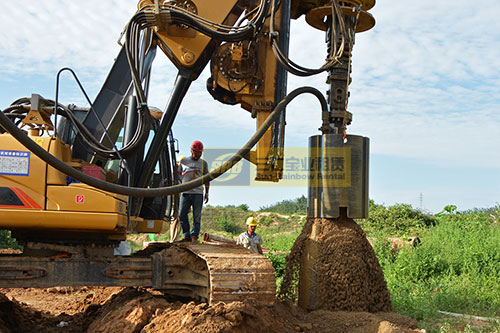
{"x":211,"y":217}
{"x":244,"y":207}
{"x":278,"y":241}
{"x":287,"y":207}
{"x":385,"y":253}
{"x":266,"y":221}
{"x":399,"y":219}
{"x":6,"y":241}
{"x":229,"y":226}
{"x":278,"y":259}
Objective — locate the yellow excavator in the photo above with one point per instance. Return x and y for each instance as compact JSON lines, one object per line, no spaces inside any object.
{"x":75,"y":181}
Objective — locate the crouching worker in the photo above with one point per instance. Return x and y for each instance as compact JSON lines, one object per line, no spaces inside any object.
{"x":250,"y":239}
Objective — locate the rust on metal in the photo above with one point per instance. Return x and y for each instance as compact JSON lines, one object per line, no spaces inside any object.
{"x":22,"y":273}
{"x":128,"y":272}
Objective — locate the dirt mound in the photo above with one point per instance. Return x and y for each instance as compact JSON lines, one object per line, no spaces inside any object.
{"x":141,"y":310}
{"x":348,"y":274}
{"x":69,"y":300}
{"x":16,"y":317}
{"x":51,"y":309}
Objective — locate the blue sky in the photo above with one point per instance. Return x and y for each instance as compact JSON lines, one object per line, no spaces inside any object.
{"x":425,"y":90}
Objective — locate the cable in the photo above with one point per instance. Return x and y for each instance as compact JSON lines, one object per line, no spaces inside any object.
{"x":160,"y":191}
{"x":334,"y":55}
{"x":92,"y":144}
{"x":177,"y":15}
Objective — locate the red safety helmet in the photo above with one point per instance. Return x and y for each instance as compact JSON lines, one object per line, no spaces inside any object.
{"x":197,"y":146}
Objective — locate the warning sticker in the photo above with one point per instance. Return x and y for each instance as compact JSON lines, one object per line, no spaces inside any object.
{"x":14,"y":163}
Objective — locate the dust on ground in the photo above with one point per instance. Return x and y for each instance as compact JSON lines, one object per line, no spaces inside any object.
{"x":352,"y":297}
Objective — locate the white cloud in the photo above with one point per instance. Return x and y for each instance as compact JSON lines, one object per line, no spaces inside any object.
{"x":426,"y":82}
{"x":41,"y":36}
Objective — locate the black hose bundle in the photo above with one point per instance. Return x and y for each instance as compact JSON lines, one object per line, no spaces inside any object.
{"x":160,"y":191}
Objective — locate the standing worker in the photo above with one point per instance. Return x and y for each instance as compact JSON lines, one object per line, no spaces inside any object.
{"x":250,"y":239}
{"x":190,"y":168}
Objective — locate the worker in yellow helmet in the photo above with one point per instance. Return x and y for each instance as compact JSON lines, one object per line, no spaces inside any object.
{"x":250,"y":239}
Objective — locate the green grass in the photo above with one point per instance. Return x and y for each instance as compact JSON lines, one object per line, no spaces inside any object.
{"x":456,"y":268}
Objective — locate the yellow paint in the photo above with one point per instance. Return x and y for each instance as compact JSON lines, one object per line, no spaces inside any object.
{"x":185,"y":45}
{"x":150,"y":226}
{"x":256,"y":98}
{"x":67,"y":220}
{"x":41,"y":141}
{"x":81,"y":197}
{"x":99,"y":210}
{"x":33,"y":184}
{"x":62,"y":151}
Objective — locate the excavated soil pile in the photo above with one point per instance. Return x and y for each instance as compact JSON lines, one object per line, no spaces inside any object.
{"x":349,"y":276}
{"x":51,"y":309}
{"x":140,"y":310}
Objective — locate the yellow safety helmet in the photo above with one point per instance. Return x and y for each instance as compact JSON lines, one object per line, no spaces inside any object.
{"x":251,"y":221}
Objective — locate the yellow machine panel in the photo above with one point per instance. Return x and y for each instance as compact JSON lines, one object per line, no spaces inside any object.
{"x":35,"y":195}
{"x":81,"y":197}
{"x":183,"y":45}
{"x":37,"y":219}
{"x":22,"y":174}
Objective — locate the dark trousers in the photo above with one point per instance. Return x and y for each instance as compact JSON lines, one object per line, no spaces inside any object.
{"x":195,"y":201}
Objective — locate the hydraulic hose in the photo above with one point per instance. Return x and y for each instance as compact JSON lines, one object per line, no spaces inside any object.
{"x":159,"y":191}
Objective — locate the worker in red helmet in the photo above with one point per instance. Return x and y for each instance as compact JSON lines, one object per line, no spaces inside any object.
{"x":190,"y":168}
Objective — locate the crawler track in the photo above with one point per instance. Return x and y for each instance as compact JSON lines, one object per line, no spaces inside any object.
{"x":209,"y":272}
{"x":236,"y":274}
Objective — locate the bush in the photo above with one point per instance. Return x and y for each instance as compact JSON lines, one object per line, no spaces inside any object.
{"x":288,"y":207}
{"x":244,"y":207}
{"x":229,"y":226}
{"x":399,"y":219}
{"x":266,"y":221}
{"x":278,"y":259}
{"x":6,"y":242}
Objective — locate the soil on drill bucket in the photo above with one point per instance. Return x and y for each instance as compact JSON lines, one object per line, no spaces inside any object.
{"x":348,"y":274}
